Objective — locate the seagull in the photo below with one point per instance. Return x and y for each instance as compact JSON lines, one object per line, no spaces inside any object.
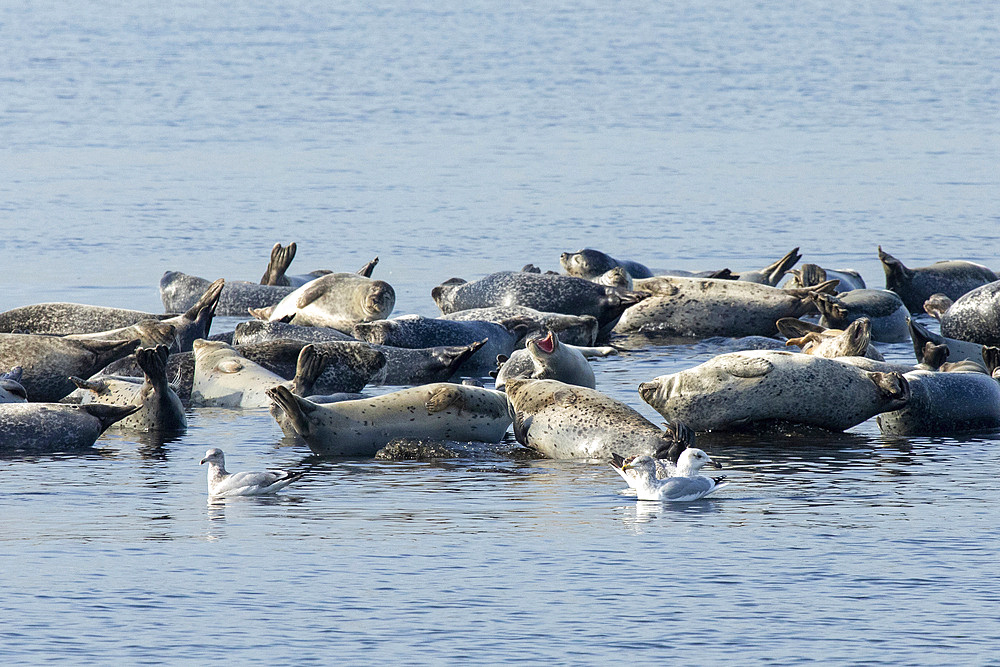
{"x":222,"y":484}
{"x":685,"y":485}
{"x":677,"y":437}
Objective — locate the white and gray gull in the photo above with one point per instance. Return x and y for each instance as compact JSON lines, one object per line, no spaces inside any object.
{"x":222,"y":484}
{"x":685,"y":485}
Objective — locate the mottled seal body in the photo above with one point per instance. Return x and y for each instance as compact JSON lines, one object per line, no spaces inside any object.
{"x":741,"y":388}
{"x":259,"y":331}
{"x":973,"y":317}
{"x":809,"y":275}
{"x":703,"y":307}
{"x":440,"y":411}
{"x":590,"y":264}
{"x":53,"y":427}
{"x":160,"y":409}
{"x":854,"y":341}
{"x":179,"y":291}
{"x":952,"y":278}
{"x":547,"y":293}
{"x":945,"y":403}
{"x":562,"y":421}
{"x":62,"y":319}
{"x":337,"y":300}
{"x":572,"y":329}
{"x":885,"y":309}
{"x":545,"y":358}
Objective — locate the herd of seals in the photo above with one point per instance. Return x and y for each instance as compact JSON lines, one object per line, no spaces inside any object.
{"x":805,"y":342}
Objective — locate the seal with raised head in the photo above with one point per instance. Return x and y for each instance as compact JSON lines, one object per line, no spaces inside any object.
{"x":885,"y":309}
{"x":953,"y":402}
{"x":973,"y":317}
{"x":556,"y":294}
{"x":160,"y":408}
{"x":545,"y":358}
{"x":854,"y":341}
{"x":590,"y":264}
{"x":336,"y":300}
{"x":55,"y":427}
{"x":742,"y":389}
{"x":578,"y":330}
{"x":440,"y":411}
{"x":953,"y":278}
{"x":703,"y":307}
{"x":810,"y":275}
{"x":563,"y":421}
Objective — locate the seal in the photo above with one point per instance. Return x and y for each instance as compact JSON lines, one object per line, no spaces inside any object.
{"x":160,"y":409}
{"x":563,"y":421}
{"x":617,"y":278}
{"x":973,"y":317}
{"x":11,"y":389}
{"x":336,"y":300}
{"x":885,"y":309}
{"x":589,"y":264}
{"x":545,"y":358}
{"x":854,"y":341}
{"x":572,"y":329}
{"x":810,"y":275}
{"x":149,"y":333}
{"x":756,"y":387}
{"x":945,"y":403}
{"x":48,"y":361}
{"x":547,"y":293}
{"x":179,"y":291}
{"x":440,"y":411}
{"x":259,"y":331}
{"x":957,"y":350}
{"x":953,"y":278}
{"x":772,"y":273}
{"x":703,"y":307}
{"x":55,"y":427}
{"x":281,"y":259}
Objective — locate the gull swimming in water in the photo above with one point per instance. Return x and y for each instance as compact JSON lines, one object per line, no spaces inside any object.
{"x":222,"y":484}
{"x":677,"y":437}
{"x":685,"y":485}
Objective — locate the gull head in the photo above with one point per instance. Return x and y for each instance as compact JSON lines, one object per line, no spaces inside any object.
{"x":691,"y":461}
{"x":641,"y":464}
{"x":214,"y":455}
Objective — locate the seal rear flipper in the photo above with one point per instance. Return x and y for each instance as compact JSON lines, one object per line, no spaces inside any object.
{"x":774,"y":272}
{"x":678,"y":436}
{"x":723,"y":274}
{"x":153,"y":362}
{"x":896,"y":275}
{"x":808,"y":275}
{"x":530,"y":268}
{"x":96,"y":386}
{"x":368,"y":268}
{"x":108,"y":351}
{"x":209,"y":300}
{"x":109,"y":414}
{"x":934,"y":355}
{"x":920,"y":335}
{"x":443,"y":398}
{"x":281,"y":259}
{"x":310,"y":365}
{"x":519,"y":326}
{"x":791,"y":327}
{"x":296,"y":409}
{"x":829,"y":306}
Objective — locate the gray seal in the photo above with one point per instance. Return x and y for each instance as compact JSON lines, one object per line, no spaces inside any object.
{"x":562,"y":421}
{"x":973,"y":317}
{"x":854,"y":341}
{"x":179,"y":291}
{"x":953,"y":278}
{"x":440,"y":411}
{"x":742,"y":389}
{"x":160,"y":409}
{"x":772,"y":273}
{"x":281,"y":259}
{"x":809,"y":275}
{"x":337,"y":300}
{"x":945,"y":403}
{"x":955,"y":350}
{"x":55,"y":427}
{"x":884,"y":308}
{"x":572,"y":329}
{"x":545,"y":358}
{"x":547,"y":293}
{"x":590,"y":264}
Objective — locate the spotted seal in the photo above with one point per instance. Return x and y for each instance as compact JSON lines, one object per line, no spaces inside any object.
{"x":55,"y":427}
{"x":953,"y":278}
{"x":547,"y":293}
{"x":545,"y":358}
{"x":747,"y":388}
{"x":973,"y":317}
{"x":854,"y":341}
{"x":440,"y":411}
{"x":590,"y":264}
{"x":885,"y":309}
{"x":160,"y":409}
{"x":336,"y":300}
{"x":945,"y":403}
{"x":578,"y":330}
{"x":809,"y":275}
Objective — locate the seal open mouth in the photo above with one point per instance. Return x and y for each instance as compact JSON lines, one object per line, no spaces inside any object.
{"x":547,"y":344}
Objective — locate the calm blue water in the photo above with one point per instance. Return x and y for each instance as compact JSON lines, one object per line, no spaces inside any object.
{"x":455,"y":141}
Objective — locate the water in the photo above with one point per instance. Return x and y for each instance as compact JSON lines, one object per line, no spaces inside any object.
{"x":455,"y":141}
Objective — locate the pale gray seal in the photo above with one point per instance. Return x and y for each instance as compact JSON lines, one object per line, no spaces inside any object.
{"x":11,"y":389}
{"x":557,"y":294}
{"x":772,"y":273}
{"x":336,"y":300}
{"x":953,"y":278}
{"x":973,"y":317}
{"x":589,"y":264}
{"x":440,"y":411}
{"x":810,"y":275}
{"x":747,"y":388}
{"x":562,"y":421}
{"x":854,"y":341}
{"x":281,"y":258}
{"x":545,"y":358}
{"x":703,"y":307}
{"x":55,"y":427}
{"x":884,"y":308}
{"x":48,"y":361}
{"x":160,"y":409}
{"x":617,"y":278}
{"x":580,"y":330}
{"x":179,"y":291}
{"x":945,"y":403}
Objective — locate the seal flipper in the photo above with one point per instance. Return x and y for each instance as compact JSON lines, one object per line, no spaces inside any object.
{"x":96,"y":386}
{"x":937,"y":305}
{"x":991,"y":357}
{"x":896,"y":275}
{"x":920,"y":335}
{"x":521,"y":423}
{"x":934,"y":355}
{"x":310,"y":292}
{"x":443,"y":398}
{"x":210,"y":300}
{"x":791,"y":327}
{"x":893,"y":387}
{"x":723,"y":274}
{"x":309,"y":366}
{"x":296,"y":409}
{"x":829,"y":307}
{"x":678,"y":436}
{"x":774,"y":272}
{"x":108,"y":414}
{"x":281,"y":259}
{"x":264,"y":314}
{"x":368,"y":268}
{"x":153,"y":362}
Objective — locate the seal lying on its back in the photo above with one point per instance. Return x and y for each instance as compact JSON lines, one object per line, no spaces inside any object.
{"x":591,"y":264}
{"x":945,"y":403}
{"x":557,"y":294}
{"x":281,"y":259}
{"x":953,"y":278}
{"x":810,"y":275}
{"x":854,"y":341}
{"x":885,"y":310}
{"x":573,"y":329}
{"x":742,"y":388}
{"x":545,"y":358}
{"x":440,"y":411}
{"x":563,"y":421}
{"x":974,"y":317}
{"x":337,"y":300}
{"x":55,"y":427}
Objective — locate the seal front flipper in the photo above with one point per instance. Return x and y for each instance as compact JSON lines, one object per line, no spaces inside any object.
{"x":678,"y":437}
{"x":444,"y":398}
{"x":281,"y":259}
{"x":368,"y":268}
{"x":96,"y":386}
{"x":521,"y":424}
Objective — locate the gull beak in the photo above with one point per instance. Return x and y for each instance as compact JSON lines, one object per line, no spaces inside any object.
{"x":716,"y":464}
{"x":203,"y":461}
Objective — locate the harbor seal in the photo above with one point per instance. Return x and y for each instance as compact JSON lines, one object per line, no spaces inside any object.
{"x":973,"y":317}
{"x":955,"y":350}
{"x":704,"y":307}
{"x":160,"y":409}
{"x":885,"y":309}
{"x":590,"y":264}
{"x":953,"y":278}
{"x":11,"y":389}
{"x":55,"y":427}
{"x":749,"y":388}
{"x":945,"y":403}
{"x":259,"y":331}
{"x":557,"y":294}
{"x":281,"y":258}
{"x":48,"y":361}
{"x":810,"y":275}
{"x":617,"y":278}
{"x":440,"y":411}
{"x":337,"y":300}
{"x":772,"y":273}
{"x":854,"y":341}
{"x":179,"y":291}
{"x":578,"y":330}
{"x":563,"y":421}
{"x":545,"y":358}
